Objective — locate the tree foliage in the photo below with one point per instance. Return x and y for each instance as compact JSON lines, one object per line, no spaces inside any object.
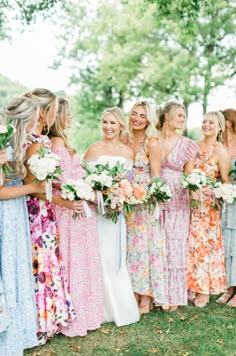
{"x":9,"y":89}
{"x":22,"y":12}
{"x":124,"y":50}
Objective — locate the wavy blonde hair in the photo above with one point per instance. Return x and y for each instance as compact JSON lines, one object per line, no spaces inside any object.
{"x":21,"y":111}
{"x":48,"y":102}
{"x":151,"y":130}
{"x":58,"y":128}
{"x":119,"y":115}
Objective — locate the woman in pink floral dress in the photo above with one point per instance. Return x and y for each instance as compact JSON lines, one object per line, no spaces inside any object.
{"x":146,"y":255}
{"x":78,"y":238}
{"x":52,"y":296}
{"x":178,"y":154}
{"x":206,"y":264}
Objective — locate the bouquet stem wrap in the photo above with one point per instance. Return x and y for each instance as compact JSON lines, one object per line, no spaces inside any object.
{"x":1,"y":175}
{"x":100,"y":202}
{"x":87,"y":210}
{"x":49,"y":190}
{"x":121,"y":242}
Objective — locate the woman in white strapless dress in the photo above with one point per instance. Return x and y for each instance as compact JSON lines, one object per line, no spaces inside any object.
{"x":119,"y":301}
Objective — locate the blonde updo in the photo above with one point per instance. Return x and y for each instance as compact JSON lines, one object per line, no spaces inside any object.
{"x":21,"y":111}
{"x":118,"y":113}
{"x":170,"y":109}
{"x":48,"y":102}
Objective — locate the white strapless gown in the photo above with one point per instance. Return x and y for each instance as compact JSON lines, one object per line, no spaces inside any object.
{"x":119,"y":301}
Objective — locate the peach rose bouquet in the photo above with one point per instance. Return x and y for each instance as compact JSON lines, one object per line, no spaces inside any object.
{"x":122,"y":197}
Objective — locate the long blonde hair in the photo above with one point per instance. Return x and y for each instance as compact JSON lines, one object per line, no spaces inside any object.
{"x":58,"y":127}
{"x":21,"y":111}
{"x":48,"y":102}
{"x":229,"y":115}
{"x":151,"y":130}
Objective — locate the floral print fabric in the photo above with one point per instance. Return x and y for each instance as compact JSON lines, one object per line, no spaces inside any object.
{"x":51,"y":289}
{"x":80,"y":251}
{"x":146,"y":255}
{"x":229,"y":234}
{"x":206,"y":265}
{"x":17,"y":295}
{"x":175,"y":219}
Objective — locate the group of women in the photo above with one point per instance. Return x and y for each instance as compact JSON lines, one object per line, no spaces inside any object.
{"x":69,"y":276}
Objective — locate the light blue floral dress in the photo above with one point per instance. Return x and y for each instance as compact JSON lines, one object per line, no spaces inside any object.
{"x":229,"y":234}
{"x":17,"y":277}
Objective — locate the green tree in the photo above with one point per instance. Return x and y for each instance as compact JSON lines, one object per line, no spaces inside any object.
{"x":9,"y":89}
{"x":22,"y":12}
{"x":123,"y":50}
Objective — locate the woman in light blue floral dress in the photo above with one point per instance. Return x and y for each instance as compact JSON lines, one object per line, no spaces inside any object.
{"x":229,"y":214}
{"x":15,"y":244}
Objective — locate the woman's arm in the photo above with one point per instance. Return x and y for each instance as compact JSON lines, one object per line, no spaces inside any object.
{"x":188,"y":167}
{"x":154,"y":154}
{"x":224,"y":164}
{"x":9,"y":192}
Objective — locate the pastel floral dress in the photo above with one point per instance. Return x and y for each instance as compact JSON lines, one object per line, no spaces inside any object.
{"x":79,"y":247}
{"x":53,"y":300}
{"x":175,"y":217}
{"x":206,"y":264}
{"x":229,"y":234}
{"x":146,"y":255}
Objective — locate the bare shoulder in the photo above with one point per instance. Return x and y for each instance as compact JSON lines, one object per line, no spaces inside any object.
{"x":153,"y":143}
{"x":221,"y":151}
{"x":128,"y":151}
{"x":57,"y":142}
{"x":93,"y":150}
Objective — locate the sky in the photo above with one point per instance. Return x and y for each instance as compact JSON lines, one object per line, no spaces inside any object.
{"x":29,"y":55}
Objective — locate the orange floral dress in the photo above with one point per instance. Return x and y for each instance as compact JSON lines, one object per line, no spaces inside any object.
{"x":206,"y":264}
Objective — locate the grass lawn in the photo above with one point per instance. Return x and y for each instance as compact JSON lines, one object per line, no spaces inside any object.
{"x":188,"y":331}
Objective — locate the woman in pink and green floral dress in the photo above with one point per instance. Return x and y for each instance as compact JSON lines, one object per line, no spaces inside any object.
{"x":52,"y":297}
{"x":146,"y":258}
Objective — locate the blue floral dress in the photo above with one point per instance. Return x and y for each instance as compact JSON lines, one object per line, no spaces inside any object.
{"x":17,"y":277}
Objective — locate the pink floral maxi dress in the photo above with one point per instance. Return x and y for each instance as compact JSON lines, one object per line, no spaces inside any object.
{"x":206,"y":264}
{"x":146,"y":255}
{"x":175,"y":218}
{"x":53,"y":300}
{"x":80,"y":251}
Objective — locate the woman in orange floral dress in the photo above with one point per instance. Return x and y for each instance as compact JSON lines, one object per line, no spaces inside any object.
{"x":206,"y":265}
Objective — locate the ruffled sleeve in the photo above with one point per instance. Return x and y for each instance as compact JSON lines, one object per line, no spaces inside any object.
{"x":190,"y":150}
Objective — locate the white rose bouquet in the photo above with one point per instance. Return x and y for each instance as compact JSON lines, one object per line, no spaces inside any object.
{"x":195,"y":181}
{"x":225,"y":192}
{"x":6,"y":133}
{"x":45,"y":166}
{"x":102,"y":177}
{"x":158,"y":192}
{"x":78,"y":190}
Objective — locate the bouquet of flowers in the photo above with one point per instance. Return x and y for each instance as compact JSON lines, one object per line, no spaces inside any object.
{"x":195,"y":181}
{"x":159,"y":192}
{"x":6,"y":133}
{"x":102,"y":176}
{"x":78,"y":190}
{"x":122,"y":197}
{"x":225,"y":192}
{"x":45,"y":166}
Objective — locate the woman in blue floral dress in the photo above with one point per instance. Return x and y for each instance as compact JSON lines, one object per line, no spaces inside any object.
{"x":15,"y":245}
